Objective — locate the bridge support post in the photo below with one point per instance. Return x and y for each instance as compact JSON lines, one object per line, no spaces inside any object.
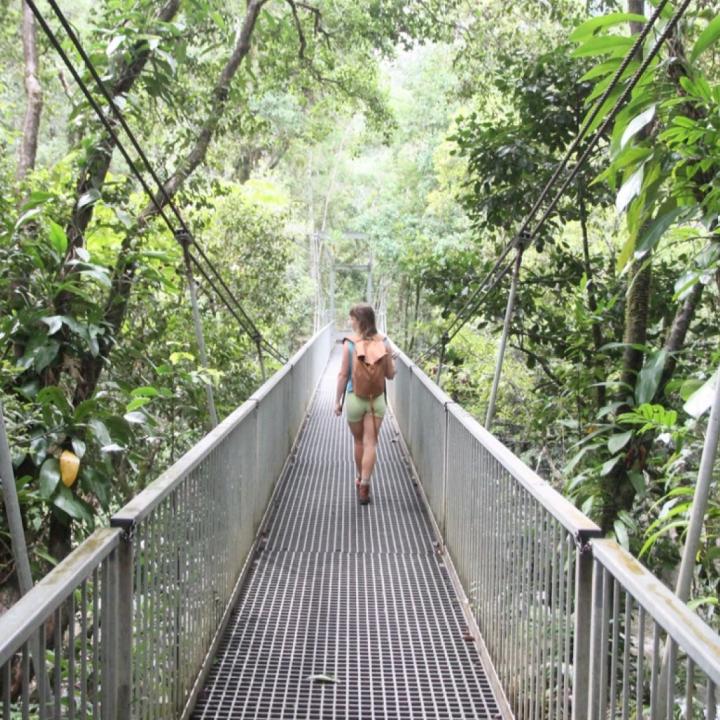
{"x":126,"y":564}
{"x":583,"y":616}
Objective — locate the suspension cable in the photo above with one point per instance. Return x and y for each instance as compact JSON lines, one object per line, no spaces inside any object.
{"x":524,"y":236}
{"x":246,"y":324}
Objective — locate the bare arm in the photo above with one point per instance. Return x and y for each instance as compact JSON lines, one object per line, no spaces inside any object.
{"x":342,"y":380}
{"x":390,"y":360}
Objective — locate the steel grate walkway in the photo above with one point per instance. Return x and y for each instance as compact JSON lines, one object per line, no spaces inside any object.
{"x":354,"y":593}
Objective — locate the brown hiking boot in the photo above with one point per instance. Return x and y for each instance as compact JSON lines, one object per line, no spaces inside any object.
{"x":364,"y":494}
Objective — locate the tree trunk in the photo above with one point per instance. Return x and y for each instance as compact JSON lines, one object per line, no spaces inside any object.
{"x":637,"y":308}
{"x":218,"y":105}
{"x":617,"y":490}
{"x":124,"y":272}
{"x":100,"y":156}
{"x":33,"y":90}
{"x":675,"y":339}
{"x":590,"y":288}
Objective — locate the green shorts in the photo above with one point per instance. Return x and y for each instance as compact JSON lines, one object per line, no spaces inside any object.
{"x":356,"y":408}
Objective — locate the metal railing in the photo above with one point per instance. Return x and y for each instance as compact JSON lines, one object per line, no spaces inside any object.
{"x":553,"y":603}
{"x":139,"y":608}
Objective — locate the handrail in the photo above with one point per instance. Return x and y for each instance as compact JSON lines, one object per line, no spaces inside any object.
{"x":557,"y":606}
{"x":700,"y":643}
{"x":18,"y":624}
{"x":153,"y":591}
{"x":150,"y":497}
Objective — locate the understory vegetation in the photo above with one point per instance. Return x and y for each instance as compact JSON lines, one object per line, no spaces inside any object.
{"x":324,"y":152}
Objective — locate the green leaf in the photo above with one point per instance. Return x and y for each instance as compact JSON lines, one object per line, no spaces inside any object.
{"x":602,"y":45}
{"x":699,"y":602}
{"x":653,"y":538}
{"x":44,"y":556}
{"x":98,"y":429}
{"x":135,"y":418}
{"x":53,"y":395}
{"x":649,"y":377}
{"x":38,"y":197}
{"x":608,"y":466}
{"x":605,"y":21}
{"x":701,"y":400}
{"x":638,"y":481}
{"x":630,"y":189}
{"x":72,"y":505}
{"x":619,"y":441}
{"x":621,"y":534}
{"x":637,"y":124}
{"x":114,"y":44}
{"x":707,"y":37}
{"x":27,"y":216}
{"x":98,"y":273}
{"x":54,"y":323}
{"x":49,"y":477}
{"x":42,"y":355}
{"x":178,"y":357}
{"x":145,"y":391}
{"x":78,"y":447}
{"x":88,"y":198}
{"x":58,"y":238}
{"x":625,"y":254}
{"x":137,"y":403}
{"x":658,"y":227}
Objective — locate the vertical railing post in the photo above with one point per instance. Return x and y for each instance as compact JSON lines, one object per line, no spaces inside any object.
{"x":125,"y":590}
{"x":582,"y":637}
{"x":446,"y":449}
{"x":109,"y":634}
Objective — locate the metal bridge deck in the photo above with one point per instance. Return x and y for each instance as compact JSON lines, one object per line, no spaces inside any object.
{"x":356,"y":594}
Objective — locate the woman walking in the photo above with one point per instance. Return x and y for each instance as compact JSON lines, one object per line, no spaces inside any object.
{"x":367,"y":362}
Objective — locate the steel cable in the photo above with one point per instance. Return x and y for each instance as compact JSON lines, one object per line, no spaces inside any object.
{"x":246,"y":323}
{"x":470,"y":306}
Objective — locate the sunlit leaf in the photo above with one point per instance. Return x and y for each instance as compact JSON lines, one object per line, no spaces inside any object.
{"x":603,"y":44}
{"x":649,"y":377}
{"x":604,"y":21}
{"x":88,"y":198}
{"x":658,"y":227}
{"x":618,"y":441}
{"x":637,"y":124}
{"x":49,"y":477}
{"x":701,"y":400}
{"x":621,"y":534}
{"x":630,"y":189}
{"x":707,"y":37}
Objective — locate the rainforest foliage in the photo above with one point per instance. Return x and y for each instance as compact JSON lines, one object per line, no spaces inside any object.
{"x":324,"y":151}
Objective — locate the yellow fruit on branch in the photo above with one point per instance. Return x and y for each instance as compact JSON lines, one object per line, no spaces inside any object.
{"x":69,"y":466}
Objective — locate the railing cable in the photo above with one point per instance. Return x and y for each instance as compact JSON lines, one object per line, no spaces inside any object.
{"x":524,"y":237}
{"x":247,"y":324}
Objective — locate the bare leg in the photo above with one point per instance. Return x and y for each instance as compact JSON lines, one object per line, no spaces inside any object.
{"x":357,"y":431}
{"x":371,"y":432}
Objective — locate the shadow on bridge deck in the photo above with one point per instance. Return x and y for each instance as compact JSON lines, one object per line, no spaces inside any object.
{"x":357,"y":594}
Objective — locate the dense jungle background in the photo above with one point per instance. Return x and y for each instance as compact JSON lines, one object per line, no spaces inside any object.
{"x":331,"y":150}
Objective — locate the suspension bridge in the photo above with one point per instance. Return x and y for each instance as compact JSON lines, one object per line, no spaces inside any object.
{"x":246,"y":582}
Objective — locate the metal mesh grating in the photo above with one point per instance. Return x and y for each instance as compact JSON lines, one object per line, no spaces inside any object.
{"x":355,"y":593}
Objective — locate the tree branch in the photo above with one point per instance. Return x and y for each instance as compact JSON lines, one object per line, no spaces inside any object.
{"x":33,"y":90}
{"x":541,"y":361}
{"x":218,"y":106}
{"x":298,"y":27}
{"x":99,"y":158}
{"x":317,"y":25}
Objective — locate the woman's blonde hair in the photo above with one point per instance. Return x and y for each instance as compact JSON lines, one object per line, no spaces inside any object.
{"x":365,"y":316}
